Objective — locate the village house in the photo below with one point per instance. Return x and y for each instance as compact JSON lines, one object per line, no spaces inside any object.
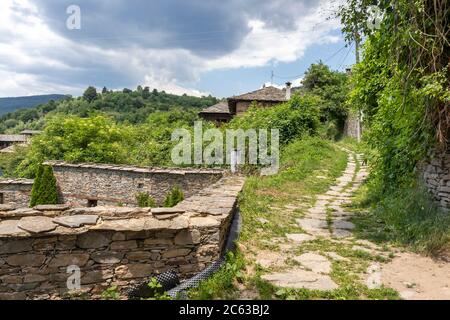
{"x":9,"y":141}
{"x":268,"y":96}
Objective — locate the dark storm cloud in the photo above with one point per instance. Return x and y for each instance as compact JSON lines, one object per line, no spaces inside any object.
{"x":206,"y":28}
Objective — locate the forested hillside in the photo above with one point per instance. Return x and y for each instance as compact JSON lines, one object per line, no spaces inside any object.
{"x":12,"y":104}
{"x":124,"y":106}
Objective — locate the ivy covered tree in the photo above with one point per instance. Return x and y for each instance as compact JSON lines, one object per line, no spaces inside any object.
{"x":45,"y":190}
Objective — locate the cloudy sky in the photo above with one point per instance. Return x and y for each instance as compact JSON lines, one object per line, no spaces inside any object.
{"x":182,"y":46}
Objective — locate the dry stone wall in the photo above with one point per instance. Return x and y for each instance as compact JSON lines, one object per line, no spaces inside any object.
{"x":111,"y":245}
{"x":436,"y":175}
{"x":118,"y":185}
{"x":16,"y":191}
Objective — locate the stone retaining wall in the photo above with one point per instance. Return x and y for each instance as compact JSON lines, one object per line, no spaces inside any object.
{"x":111,"y":245}
{"x":118,"y":185}
{"x":436,"y":175}
{"x":16,"y":191}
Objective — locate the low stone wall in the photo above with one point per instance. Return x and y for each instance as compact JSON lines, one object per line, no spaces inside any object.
{"x":118,"y":185}
{"x":16,"y":191}
{"x":111,"y":245}
{"x":436,"y":175}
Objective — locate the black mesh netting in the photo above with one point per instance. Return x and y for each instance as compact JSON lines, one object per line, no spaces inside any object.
{"x":169,"y":280}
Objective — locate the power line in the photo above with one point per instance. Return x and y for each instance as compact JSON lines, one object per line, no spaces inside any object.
{"x":301,"y":75}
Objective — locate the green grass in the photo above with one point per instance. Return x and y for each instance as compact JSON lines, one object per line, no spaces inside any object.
{"x":264,"y":197}
{"x":297,"y":182}
{"x":406,"y":216}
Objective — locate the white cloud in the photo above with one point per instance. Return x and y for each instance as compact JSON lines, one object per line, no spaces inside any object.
{"x":34,"y":59}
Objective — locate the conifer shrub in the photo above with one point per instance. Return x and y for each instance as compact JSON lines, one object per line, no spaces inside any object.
{"x":45,"y":190}
{"x":144,"y":200}
{"x":174,"y":197}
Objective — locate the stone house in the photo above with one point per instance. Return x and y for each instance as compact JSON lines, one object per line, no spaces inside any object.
{"x":267,"y":96}
{"x":8,"y":141}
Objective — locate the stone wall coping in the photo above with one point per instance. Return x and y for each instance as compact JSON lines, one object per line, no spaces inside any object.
{"x":207,"y":209}
{"x":181,"y":171}
{"x":16,"y":181}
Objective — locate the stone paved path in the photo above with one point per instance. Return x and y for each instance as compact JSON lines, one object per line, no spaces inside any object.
{"x":327,"y":219}
{"x":413,"y":276}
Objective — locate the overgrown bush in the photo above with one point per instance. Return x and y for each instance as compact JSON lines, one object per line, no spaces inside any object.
{"x":174,"y":197}
{"x":296,"y":118}
{"x":144,"y":200}
{"x":45,"y":190}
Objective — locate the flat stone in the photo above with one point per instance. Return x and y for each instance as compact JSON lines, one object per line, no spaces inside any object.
{"x":107,"y":257}
{"x":16,"y":246}
{"x":24,"y":212}
{"x":64,"y":260}
{"x":308,"y":224}
{"x":342,"y":224}
{"x":316,"y":262}
{"x":76,"y":221}
{"x":92,"y":240}
{"x":301,"y":279}
{"x":51,"y":207}
{"x":124,"y":245}
{"x":300,"y":237}
{"x":204,"y":222}
{"x":186,"y":237}
{"x":158,"y":211}
{"x":168,"y":216}
{"x":26,"y":260}
{"x":341,"y":233}
{"x":10,"y":228}
{"x":7,"y":207}
{"x":36,"y":224}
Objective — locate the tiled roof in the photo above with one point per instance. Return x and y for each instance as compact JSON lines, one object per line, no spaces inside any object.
{"x":265,"y":94}
{"x":221,"y":107}
{"x":13,"y":138}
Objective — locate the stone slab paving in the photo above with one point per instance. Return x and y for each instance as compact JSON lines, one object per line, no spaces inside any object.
{"x":36,"y":224}
{"x":300,"y":237}
{"x":315,"y":262}
{"x":301,"y":279}
{"x":328,"y":218}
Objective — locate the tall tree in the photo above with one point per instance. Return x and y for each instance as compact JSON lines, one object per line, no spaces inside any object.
{"x":90,"y":94}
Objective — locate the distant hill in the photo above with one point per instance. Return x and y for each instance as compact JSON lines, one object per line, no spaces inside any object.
{"x":15,"y":103}
{"x":128,"y":106}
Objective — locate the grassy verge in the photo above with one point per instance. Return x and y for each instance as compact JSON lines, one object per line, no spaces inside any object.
{"x":308,"y":168}
{"x":406,"y":216}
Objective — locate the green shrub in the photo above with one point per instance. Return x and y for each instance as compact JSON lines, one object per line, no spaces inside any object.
{"x":45,"y":190}
{"x":144,"y":200}
{"x":174,"y":197}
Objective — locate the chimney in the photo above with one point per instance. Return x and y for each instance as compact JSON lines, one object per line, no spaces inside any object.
{"x":288,"y":90}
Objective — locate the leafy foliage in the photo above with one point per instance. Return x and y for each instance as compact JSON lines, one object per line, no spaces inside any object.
{"x":45,"y":190}
{"x":127,"y":107}
{"x":332,"y":88}
{"x":144,"y":200}
{"x":296,"y":118}
{"x":402,"y":85}
{"x":174,"y":197}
